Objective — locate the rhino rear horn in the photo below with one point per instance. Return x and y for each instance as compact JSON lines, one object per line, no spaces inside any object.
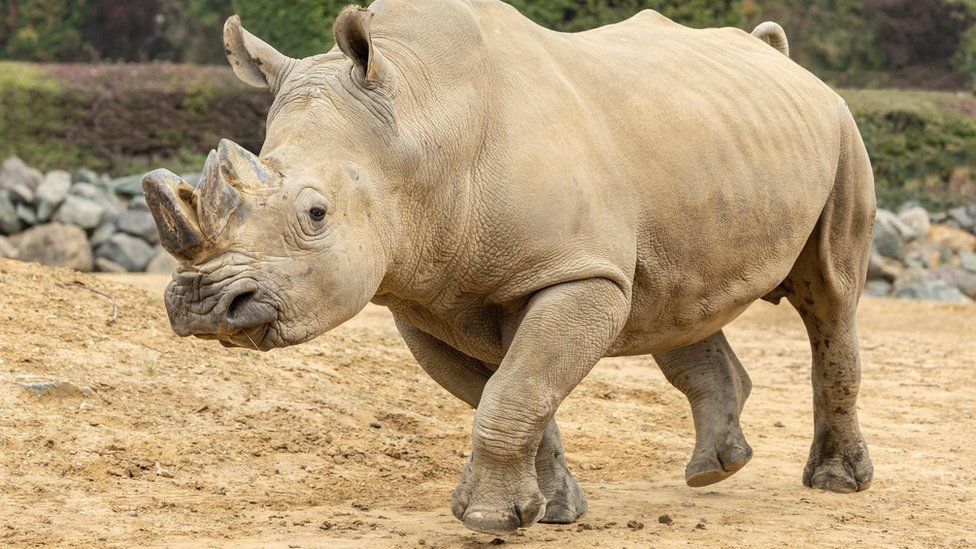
{"x":172,"y":202}
{"x":216,"y":199}
{"x":245,"y":171}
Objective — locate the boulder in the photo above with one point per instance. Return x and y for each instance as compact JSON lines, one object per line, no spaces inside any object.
{"x":9,"y":221}
{"x":7,"y":249}
{"x":882,"y":268}
{"x":917,"y":219}
{"x":963,"y":279}
{"x":51,"y":193}
{"x":84,"y":175}
{"x":127,"y":186}
{"x":138,"y":223}
{"x":920,"y":284}
{"x":81,"y":211}
{"x":968,"y":261}
{"x":26,"y":214}
{"x":162,"y":263}
{"x":138,"y":203}
{"x":131,"y":252}
{"x":961,"y":216}
{"x":878,"y":288}
{"x":55,"y":244}
{"x":21,"y":194}
{"x":955,"y":240}
{"x":103,"y":233}
{"x":106,"y":265}
{"x":14,"y":172}
{"x":890,"y":235}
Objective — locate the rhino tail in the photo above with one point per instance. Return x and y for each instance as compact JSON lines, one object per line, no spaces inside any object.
{"x":773,"y":34}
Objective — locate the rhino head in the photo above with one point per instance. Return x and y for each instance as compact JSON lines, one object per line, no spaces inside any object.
{"x":280,"y":247}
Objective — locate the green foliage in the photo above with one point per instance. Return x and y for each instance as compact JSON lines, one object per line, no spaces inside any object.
{"x":124,"y":118}
{"x":922,"y":144}
{"x":43,"y":30}
{"x":298,"y":28}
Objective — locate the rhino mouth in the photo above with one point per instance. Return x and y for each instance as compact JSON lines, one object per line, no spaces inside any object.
{"x":255,"y":338}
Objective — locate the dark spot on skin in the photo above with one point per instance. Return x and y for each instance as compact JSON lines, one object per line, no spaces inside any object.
{"x":808,"y":301}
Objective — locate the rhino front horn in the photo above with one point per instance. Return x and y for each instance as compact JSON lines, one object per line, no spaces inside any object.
{"x":171,"y":201}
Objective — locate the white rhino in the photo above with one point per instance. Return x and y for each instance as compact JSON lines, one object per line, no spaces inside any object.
{"x":527,"y":202}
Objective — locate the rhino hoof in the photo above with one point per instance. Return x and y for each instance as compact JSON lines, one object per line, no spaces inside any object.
{"x":842,"y":473}
{"x":709,"y":467}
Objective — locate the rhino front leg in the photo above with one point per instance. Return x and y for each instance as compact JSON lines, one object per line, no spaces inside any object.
{"x":564,"y":331}
{"x":717,"y":386}
{"x":465,"y":378}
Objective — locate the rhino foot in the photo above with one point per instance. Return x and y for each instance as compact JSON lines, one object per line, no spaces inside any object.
{"x":566,"y":502}
{"x":839,"y":468}
{"x":714,"y":462}
{"x":497,"y":500}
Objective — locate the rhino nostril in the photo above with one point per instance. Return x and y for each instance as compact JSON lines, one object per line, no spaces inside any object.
{"x":237,"y":306}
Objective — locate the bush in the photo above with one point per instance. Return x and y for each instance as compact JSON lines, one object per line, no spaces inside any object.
{"x":124,"y":118}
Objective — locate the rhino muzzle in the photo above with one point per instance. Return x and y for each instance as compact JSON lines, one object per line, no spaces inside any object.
{"x":192,"y":220}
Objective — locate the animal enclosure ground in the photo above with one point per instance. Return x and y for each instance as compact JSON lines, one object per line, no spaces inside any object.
{"x":344,"y":442}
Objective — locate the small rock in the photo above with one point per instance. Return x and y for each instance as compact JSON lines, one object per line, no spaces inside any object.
{"x":779,"y":425}
{"x":700,"y":525}
{"x":84,"y":175}
{"x":103,"y":233}
{"x":9,"y":220}
{"x":688,"y":503}
{"x":51,"y":193}
{"x":961,"y":216}
{"x":127,"y":186}
{"x":635,"y":525}
{"x":878,"y":288}
{"x":105,"y":265}
{"x":665,"y":519}
{"x":138,"y":223}
{"x":162,"y":263}
{"x":497,"y":541}
{"x":7,"y":249}
{"x":55,"y":244}
{"x":14,"y":171}
{"x":26,"y":215}
{"x":131,"y":252}
{"x":21,"y":194}
{"x":81,"y":211}
{"x":56,"y":390}
{"x":376,"y":425}
{"x":968,"y":261}
{"x":917,"y":219}
{"x":890,"y":235}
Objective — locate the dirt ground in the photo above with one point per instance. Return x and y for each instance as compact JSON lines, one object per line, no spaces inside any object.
{"x":344,"y":442}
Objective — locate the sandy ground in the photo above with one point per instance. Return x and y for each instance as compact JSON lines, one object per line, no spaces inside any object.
{"x":344,"y":442}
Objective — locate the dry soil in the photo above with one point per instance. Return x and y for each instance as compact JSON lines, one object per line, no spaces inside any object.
{"x":153,"y":440}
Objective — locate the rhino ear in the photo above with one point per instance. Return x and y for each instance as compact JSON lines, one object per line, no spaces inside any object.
{"x":352,"y":34}
{"x":254,"y":61}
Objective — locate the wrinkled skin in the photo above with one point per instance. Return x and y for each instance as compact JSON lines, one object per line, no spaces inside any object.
{"x":528,"y":202}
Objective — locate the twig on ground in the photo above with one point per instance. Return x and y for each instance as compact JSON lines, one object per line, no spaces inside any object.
{"x":115,"y":305}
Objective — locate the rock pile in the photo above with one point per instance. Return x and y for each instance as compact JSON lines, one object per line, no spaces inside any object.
{"x":922,"y":255}
{"x":84,"y":221}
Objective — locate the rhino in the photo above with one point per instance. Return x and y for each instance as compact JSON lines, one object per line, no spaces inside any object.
{"x":526,"y":202}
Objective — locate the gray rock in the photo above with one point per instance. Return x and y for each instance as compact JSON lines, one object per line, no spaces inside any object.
{"x":129,"y":251}
{"x":27,"y":215}
{"x":51,"y":193}
{"x":963,"y":279}
{"x":83,"y":212}
{"x":84,"y":190}
{"x":961,"y":216}
{"x":128,"y":186}
{"x":968,"y":261}
{"x":919,"y":284}
{"x":882,"y":268}
{"x":106,"y":265}
{"x":890,"y":235}
{"x":9,"y":221}
{"x":14,"y":172}
{"x":138,"y":223}
{"x":7,"y":249}
{"x":878,"y":288}
{"x":103,"y":233}
{"x":917,"y":219}
{"x":56,"y":245}
{"x":58,"y":390}
{"x":163,"y":263}
{"x":84,"y":175}
{"x":21,"y":194}
{"x":138,"y":203}
{"x":937,"y":217}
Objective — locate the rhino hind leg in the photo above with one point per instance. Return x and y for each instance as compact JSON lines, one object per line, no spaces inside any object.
{"x":826,"y":283}
{"x":465,"y":378}
{"x":717,"y":386}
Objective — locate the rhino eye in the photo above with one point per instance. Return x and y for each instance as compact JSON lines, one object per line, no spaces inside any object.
{"x":317,"y":213}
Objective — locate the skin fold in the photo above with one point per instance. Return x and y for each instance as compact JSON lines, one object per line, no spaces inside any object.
{"x":527,"y":202}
